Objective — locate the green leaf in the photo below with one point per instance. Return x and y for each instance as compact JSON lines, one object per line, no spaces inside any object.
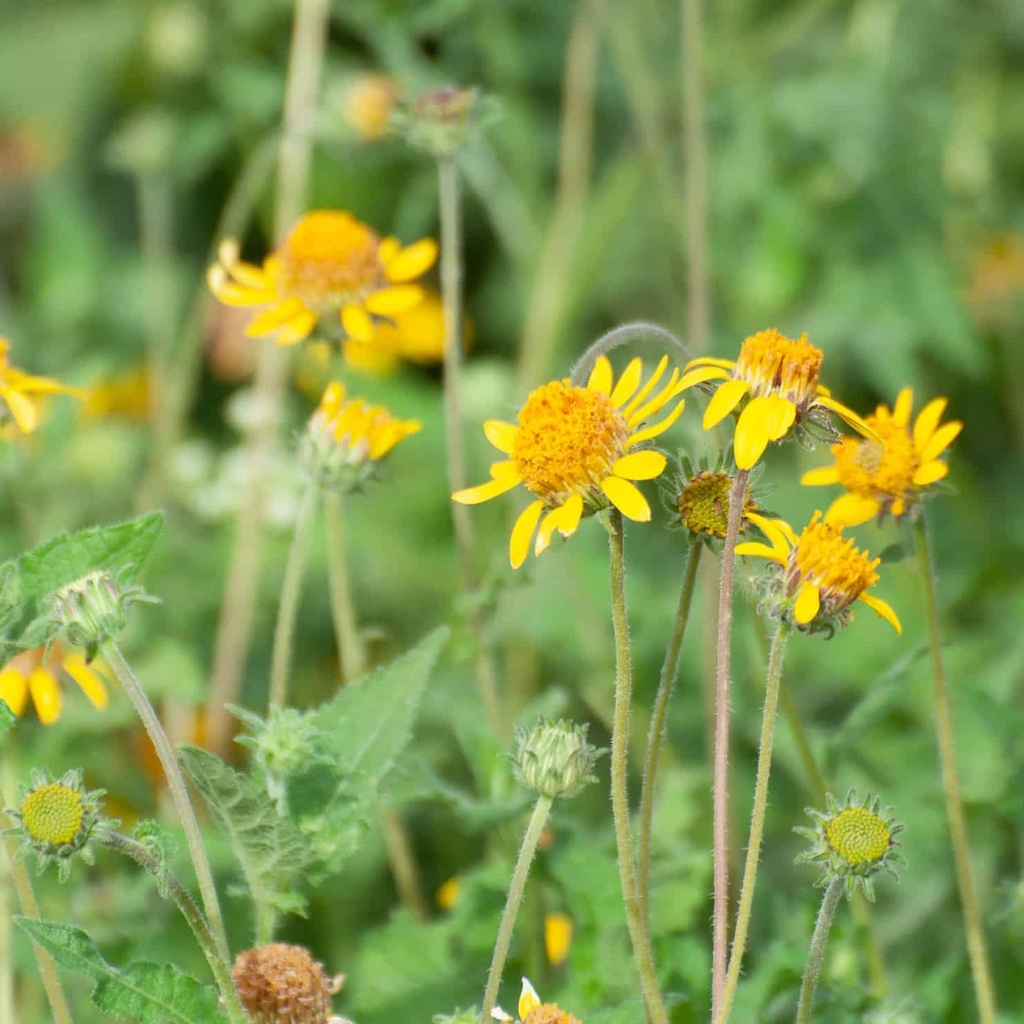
{"x":7,"y":718}
{"x":269,"y":848}
{"x":120,"y":549}
{"x":145,"y":992}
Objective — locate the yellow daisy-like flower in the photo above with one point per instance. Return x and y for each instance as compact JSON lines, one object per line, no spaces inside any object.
{"x":823,"y":573}
{"x":779,"y":379}
{"x":533,"y":1011}
{"x":329,"y":265}
{"x":37,"y":674}
{"x":366,"y":105}
{"x":17,"y":391}
{"x":558,"y":931}
{"x":889,"y":474}
{"x":572,"y":448}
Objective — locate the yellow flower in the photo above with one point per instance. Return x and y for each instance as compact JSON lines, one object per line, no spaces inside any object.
{"x":37,"y":673}
{"x":822,"y":573}
{"x":15,"y":389}
{"x":449,"y":893}
{"x":127,"y":394}
{"x":329,"y":265}
{"x":779,"y":379}
{"x":558,"y":929}
{"x":889,"y":474}
{"x":367,"y":104}
{"x":533,"y":1011}
{"x":571,"y":447}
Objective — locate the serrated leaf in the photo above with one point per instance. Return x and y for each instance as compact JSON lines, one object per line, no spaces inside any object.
{"x":145,"y":992}
{"x":269,"y":848}
{"x":120,"y":548}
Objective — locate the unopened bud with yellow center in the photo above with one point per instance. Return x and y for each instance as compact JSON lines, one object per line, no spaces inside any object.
{"x":283,"y":984}
{"x":554,"y":758}
{"x":853,"y":842}
{"x":366,"y":105}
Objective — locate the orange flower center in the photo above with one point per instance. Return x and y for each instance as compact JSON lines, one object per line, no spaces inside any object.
{"x":773,"y":364}
{"x":328,"y":259}
{"x":549,"y":1013}
{"x":841,"y":571}
{"x":882,"y":469}
{"x":567,"y":442}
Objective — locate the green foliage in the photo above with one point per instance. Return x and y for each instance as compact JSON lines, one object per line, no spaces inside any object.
{"x":7,"y":718}
{"x":145,"y":992}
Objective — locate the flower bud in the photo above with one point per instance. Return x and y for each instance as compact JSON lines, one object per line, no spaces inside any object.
{"x":95,"y":608}
{"x":554,"y":758}
{"x":444,"y":120}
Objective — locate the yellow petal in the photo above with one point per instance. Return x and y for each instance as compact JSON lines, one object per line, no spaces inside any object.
{"x":502,"y":480}
{"x":394,"y":301}
{"x":808,"y":601}
{"x":852,"y":510}
{"x":723,"y":401}
{"x":557,"y":938}
{"x":759,"y":550}
{"x":232,"y":294}
{"x":645,"y":465}
{"x":270,"y":319}
{"x":820,"y":477}
{"x":388,"y":248}
{"x":13,"y":689}
{"x":547,"y":528}
{"x":627,"y":499}
{"x":412,"y":261}
{"x":940,"y":440}
{"x":22,"y":409}
{"x":925,"y":424}
{"x":634,"y":402}
{"x":702,"y":374}
{"x":601,"y":376}
{"x":89,"y":682}
{"x":725,"y":364}
{"x":571,"y":513}
{"x":357,"y":323}
{"x":519,"y":542}
{"x":847,"y":415}
{"x":528,"y":999}
{"x":672,"y":388}
{"x":628,"y":383}
{"x":929,"y":473}
{"x":778,"y":531}
{"x":502,"y":435}
{"x":754,"y":428}
{"x":657,"y":428}
{"x":883,"y":610}
{"x":902,"y":407}
{"x":45,"y":695}
{"x":296,"y":329}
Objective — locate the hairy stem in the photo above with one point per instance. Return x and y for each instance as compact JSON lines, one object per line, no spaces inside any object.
{"x":291,"y":590}
{"x":351,"y":656}
{"x":773,"y":683}
{"x":531,"y":837}
{"x":238,"y":607}
{"x":816,"y":954}
{"x":149,"y":861}
{"x":176,"y":785}
{"x":720,"y":812}
{"x":981,"y":973}
{"x":659,"y":716}
{"x":451,"y":293}
{"x":623,"y":335}
{"x":653,"y":1002}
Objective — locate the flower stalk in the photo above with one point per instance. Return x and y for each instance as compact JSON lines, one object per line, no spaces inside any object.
{"x":816,"y":954}
{"x":351,"y":656}
{"x":980,"y":971}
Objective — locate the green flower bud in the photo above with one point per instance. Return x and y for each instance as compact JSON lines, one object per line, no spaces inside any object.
{"x":554,"y":758}
{"x":442,"y":121}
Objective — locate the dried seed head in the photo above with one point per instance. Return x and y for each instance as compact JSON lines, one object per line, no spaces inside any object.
{"x":283,"y":984}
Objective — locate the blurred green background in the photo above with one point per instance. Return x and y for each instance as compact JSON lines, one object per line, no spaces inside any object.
{"x":866,"y":162}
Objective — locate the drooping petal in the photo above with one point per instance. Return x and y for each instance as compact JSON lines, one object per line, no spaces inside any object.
{"x":22,"y":409}
{"x":808,"y":601}
{"x":848,"y":416}
{"x":519,"y":542}
{"x":232,"y":294}
{"x":298,"y":328}
{"x":883,"y":609}
{"x":723,"y":401}
{"x":820,"y":477}
{"x":764,"y":419}
{"x":928,"y":420}
{"x":89,"y":682}
{"x":759,"y":550}
{"x":528,"y":999}
{"x":502,"y":435}
{"x":547,"y":527}
{"x":627,"y":499}
{"x":902,"y":408}
{"x":13,"y":689}
{"x":45,"y":695}
{"x":412,"y":261}
{"x":645,"y":465}
{"x":503,"y":478}
{"x":637,"y":399}
{"x":396,"y":300}
{"x":270,"y":319}
{"x":778,"y":531}
{"x":656,"y":428}
{"x":571,"y":514}
{"x":357,"y":323}
{"x":701,"y":374}
{"x":725,"y":364}
{"x":930,"y":472}
{"x":852,"y":510}
{"x":628,"y":383}
{"x":601,"y":376}
{"x":940,"y":440}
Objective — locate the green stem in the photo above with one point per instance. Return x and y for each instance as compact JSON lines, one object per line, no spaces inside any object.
{"x":351,"y":656}
{"x":451,"y":293}
{"x":816,"y":954}
{"x":773,"y":684}
{"x":176,"y":785}
{"x":527,"y":851}
{"x":720,"y":812}
{"x":27,"y":897}
{"x":291,"y":590}
{"x":659,"y":715}
{"x":149,"y":861}
{"x":980,"y":971}
{"x":638,"y":935}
